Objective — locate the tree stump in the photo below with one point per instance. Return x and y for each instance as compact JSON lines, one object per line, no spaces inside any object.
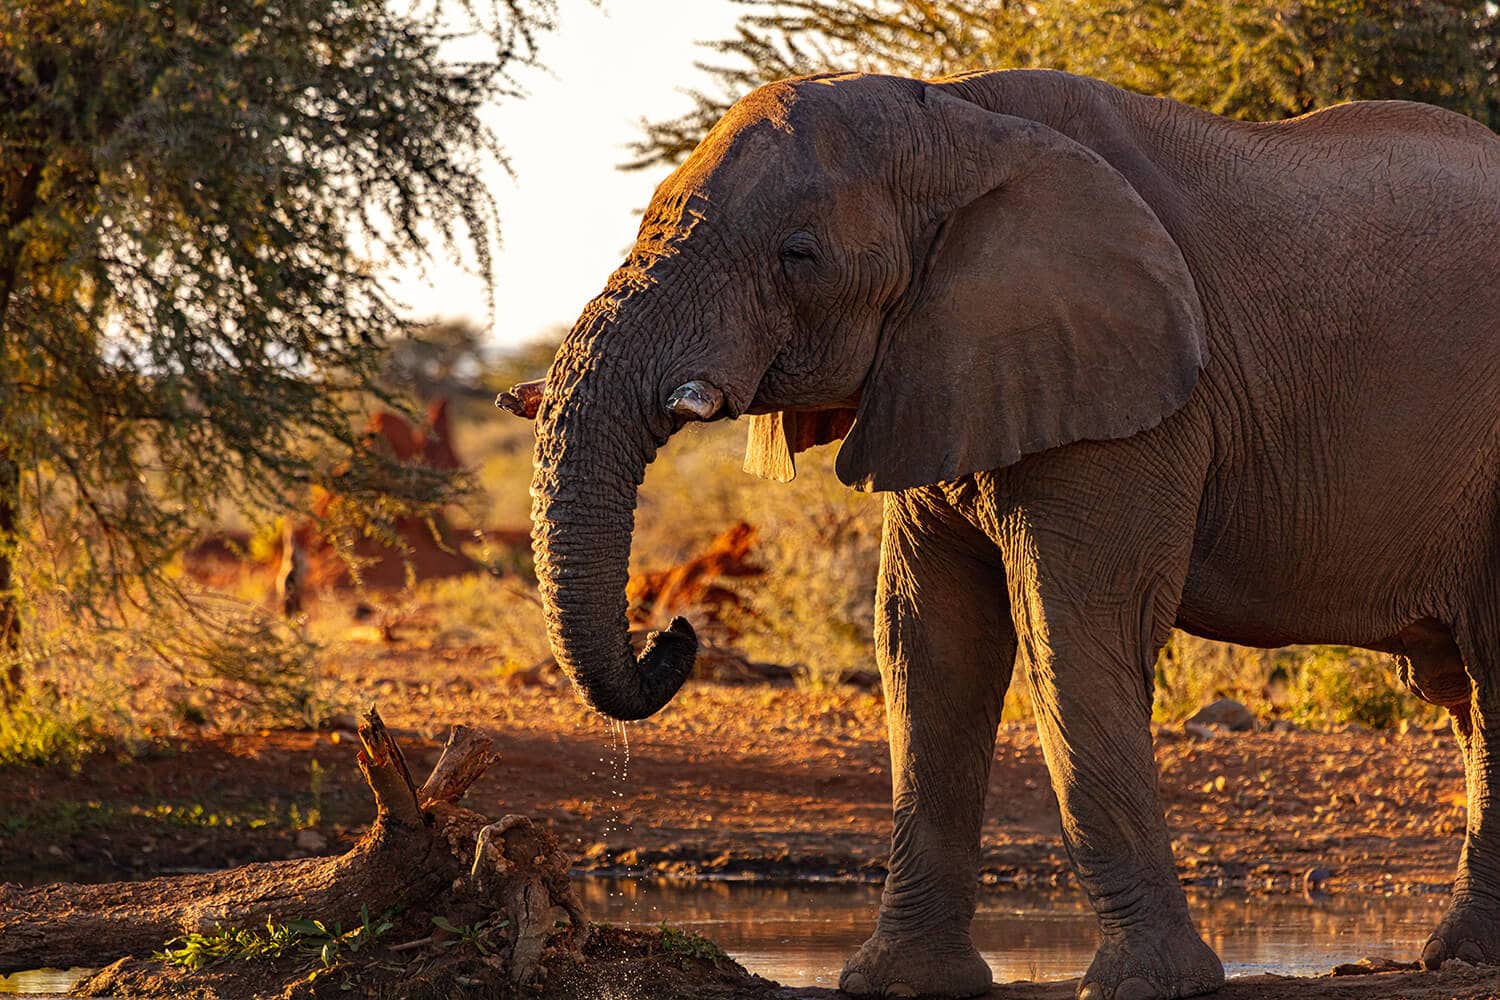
{"x":423,"y":849}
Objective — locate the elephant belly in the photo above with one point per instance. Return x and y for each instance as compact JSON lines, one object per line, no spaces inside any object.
{"x":1358,"y":573}
{"x":1348,"y":521}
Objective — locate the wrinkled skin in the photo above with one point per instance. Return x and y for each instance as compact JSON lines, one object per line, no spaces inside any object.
{"x":1118,"y":364}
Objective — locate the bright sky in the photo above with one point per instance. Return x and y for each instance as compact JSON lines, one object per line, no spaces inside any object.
{"x":569,"y":215}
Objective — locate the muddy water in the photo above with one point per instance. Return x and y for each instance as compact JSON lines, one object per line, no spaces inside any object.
{"x":800,"y":934}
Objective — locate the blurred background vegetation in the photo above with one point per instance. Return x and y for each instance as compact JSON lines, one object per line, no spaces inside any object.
{"x":191,"y":196}
{"x":1252,"y":59}
{"x":193,"y":336}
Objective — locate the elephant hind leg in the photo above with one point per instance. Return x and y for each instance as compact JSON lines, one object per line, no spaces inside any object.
{"x":1471,"y":928}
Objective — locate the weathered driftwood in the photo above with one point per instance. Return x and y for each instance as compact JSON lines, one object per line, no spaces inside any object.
{"x":422,"y":848}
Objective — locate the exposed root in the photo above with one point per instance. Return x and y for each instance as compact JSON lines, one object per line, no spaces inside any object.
{"x":423,"y":854}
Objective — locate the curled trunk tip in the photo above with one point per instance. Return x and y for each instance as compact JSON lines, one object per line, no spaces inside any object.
{"x":664,"y":665}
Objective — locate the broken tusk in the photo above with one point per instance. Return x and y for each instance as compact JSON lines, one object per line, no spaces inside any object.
{"x":695,"y":400}
{"x":523,"y":399}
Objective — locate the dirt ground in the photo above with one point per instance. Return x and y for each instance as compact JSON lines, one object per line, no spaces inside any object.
{"x":755,"y":780}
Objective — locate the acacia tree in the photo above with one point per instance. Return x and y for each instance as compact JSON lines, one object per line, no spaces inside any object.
{"x":1255,"y":59}
{"x":193,"y":197}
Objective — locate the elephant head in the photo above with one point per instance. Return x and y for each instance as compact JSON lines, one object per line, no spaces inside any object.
{"x":945,"y":287}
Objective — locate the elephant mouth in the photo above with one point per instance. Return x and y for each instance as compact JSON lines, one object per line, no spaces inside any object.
{"x":523,"y":399}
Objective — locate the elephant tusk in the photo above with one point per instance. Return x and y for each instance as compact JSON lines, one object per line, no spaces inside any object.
{"x":695,"y":400}
{"x":523,"y":399}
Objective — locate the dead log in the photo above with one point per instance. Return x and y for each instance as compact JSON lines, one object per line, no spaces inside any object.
{"x":421,"y":848}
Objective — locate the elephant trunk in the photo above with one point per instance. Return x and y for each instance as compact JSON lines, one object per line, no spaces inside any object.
{"x":594,"y":440}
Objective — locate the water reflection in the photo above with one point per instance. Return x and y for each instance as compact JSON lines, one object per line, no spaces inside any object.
{"x":800,"y":934}
{"x":41,"y":981}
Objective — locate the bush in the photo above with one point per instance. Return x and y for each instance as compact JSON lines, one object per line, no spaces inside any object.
{"x":1337,"y":684}
{"x":478,"y":609}
{"x":1309,"y":685}
{"x":44,"y":729}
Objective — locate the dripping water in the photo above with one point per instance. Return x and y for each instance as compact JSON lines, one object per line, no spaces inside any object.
{"x":615,"y":822}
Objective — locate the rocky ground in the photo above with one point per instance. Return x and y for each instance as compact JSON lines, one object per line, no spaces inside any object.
{"x":762,"y":780}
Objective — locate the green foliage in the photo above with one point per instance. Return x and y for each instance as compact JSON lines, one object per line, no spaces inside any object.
{"x":1309,"y":685}
{"x":68,"y":817}
{"x":199,"y":951}
{"x":305,"y":936}
{"x":1253,"y":59}
{"x":1337,"y":684}
{"x":197,"y":816}
{"x":193,"y":198}
{"x":44,"y":728}
{"x":478,"y":935}
{"x":1191,"y":672}
{"x":688,"y":945}
{"x":317,"y":777}
{"x":818,"y":542}
{"x":494,"y":611}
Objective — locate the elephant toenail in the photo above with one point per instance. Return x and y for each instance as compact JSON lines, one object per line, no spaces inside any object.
{"x":899,"y":990}
{"x":1090,"y":991}
{"x":1432,"y":953}
{"x":1135,"y":988}
{"x":1470,"y":952}
{"x":856,"y":984}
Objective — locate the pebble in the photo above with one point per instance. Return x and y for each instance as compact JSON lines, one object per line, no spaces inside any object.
{"x":1227,"y":713}
{"x":311,"y":840}
{"x":1314,"y":878}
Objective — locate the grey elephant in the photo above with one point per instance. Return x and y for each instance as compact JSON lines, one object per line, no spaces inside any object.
{"x":1118,"y":365}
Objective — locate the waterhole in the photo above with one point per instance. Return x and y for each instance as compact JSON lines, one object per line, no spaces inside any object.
{"x":799,"y":934}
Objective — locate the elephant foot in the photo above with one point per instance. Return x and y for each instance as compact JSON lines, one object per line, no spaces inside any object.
{"x":1470,"y":932}
{"x":1152,"y":963}
{"x":915,"y":966}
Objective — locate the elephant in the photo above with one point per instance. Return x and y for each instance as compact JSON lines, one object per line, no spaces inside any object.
{"x":1116,"y":365}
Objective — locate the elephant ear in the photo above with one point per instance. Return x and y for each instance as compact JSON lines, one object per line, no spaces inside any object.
{"x":776,"y":438}
{"x":1054,"y":307}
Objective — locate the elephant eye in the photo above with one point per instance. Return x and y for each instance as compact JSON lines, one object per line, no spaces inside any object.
{"x":799,"y":248}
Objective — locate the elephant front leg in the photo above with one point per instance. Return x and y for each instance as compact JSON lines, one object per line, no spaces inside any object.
{"x":1090,"y":630}
{"x":946,"y":649}
{"x":1104,"y":774}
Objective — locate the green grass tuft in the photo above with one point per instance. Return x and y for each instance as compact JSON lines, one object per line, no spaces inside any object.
{"x":313,"y":939}
{"x":686,"y":944}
